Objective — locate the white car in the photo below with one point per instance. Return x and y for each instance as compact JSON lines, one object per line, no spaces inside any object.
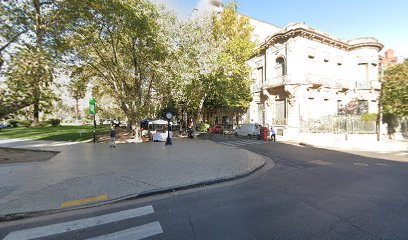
{"x":248,"y":129}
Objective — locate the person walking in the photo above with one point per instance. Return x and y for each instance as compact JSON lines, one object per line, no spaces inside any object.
{"x":112,"y":142}
{"x":273,"y":134}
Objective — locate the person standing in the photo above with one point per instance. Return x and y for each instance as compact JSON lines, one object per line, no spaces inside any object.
{"x":273,"y":134}
{"x":112,"y":142}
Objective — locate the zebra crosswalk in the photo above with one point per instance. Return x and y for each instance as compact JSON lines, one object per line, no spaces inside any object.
{"x":238,"y":143}
{"x":134,"y":233}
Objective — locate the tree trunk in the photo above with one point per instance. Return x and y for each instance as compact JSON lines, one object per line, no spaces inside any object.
{"x":39,"y":38}
{"x":197,"y":115}
{"x":36,"y":112}
{"x":76,"y":110}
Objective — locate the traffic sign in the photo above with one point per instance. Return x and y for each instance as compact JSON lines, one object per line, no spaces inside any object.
{"x":92,"y":107}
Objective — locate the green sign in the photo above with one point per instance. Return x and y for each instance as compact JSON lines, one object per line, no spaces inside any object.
{"x":92,"y":107}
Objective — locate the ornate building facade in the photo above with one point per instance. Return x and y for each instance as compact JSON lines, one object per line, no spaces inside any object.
{"x":301,"y":73}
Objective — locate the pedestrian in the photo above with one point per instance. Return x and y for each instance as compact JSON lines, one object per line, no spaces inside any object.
{"x":112,"y":142}
{"x":273,"y":134}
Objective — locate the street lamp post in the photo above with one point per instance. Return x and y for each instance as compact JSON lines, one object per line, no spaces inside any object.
{"x":169,"y":116}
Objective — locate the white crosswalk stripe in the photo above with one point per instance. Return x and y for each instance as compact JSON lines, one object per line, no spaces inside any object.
{"x":241,"y":143}
{"x":138,"y":232}
{"x":135,"y":233}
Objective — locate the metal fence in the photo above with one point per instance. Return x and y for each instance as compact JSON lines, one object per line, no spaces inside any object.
{"x":337,"y":125}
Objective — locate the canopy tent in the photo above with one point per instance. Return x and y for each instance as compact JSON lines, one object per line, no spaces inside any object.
{"x":160,"y":122}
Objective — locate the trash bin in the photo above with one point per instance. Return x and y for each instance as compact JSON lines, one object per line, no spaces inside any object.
{"x":265,"y":133}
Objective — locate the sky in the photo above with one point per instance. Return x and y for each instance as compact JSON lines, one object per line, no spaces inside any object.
{"x":385,"y":20}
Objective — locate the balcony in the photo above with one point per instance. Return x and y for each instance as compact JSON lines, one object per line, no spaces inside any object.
{"x":317,"y":80}
{"x":343,"y":84}
{"x":368,"y":85}
{"x":276,"y":82}
{"x":256,"y":87}
{"x":376,"y":85}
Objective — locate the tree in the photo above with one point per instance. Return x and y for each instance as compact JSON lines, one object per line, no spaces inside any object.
{"x":232,"y":33}
{"x":33,"y":26}
{"x":395,"y":90}
{"x":27,"y":78}
{"x":14,"y":24}
{"x":77,"y":87}
{"x":213,"y":63}
{"x":121,"y":45}
{"x":196,"y":65}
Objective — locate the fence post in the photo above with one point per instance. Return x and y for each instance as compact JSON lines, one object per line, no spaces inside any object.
{"x":346,"y":129}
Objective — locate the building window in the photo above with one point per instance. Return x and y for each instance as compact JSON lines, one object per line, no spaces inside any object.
{"x":280,"y":112}
{"x":261,"y":113}
{"x":280,"y":67}
{"x":362,"y":107}
{"x":326,"y":56}
{"x":260,"y":75}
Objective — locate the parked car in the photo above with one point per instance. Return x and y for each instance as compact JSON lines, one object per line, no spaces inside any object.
{"x":217,"y":129}
{"x":248,"y":129}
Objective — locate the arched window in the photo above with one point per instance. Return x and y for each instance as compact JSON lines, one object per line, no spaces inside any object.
{"x":280,"y":67}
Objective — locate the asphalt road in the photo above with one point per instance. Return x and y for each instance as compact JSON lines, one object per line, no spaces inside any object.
{"x":310,"y":193}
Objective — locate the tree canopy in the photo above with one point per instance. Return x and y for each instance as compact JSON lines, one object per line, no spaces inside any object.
{"x":131,"y":51}
{"x":395,"y":90}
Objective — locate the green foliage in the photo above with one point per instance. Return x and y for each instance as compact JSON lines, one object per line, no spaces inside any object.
{"x":369,"y":117}
{"x":232,"y":33}
{"x":19,"y":123}
{"x":212,"y":67}
{"x":392,"y":122}
{"x":78,"y":83}
{"x":32,"y":27}
{"x":28,"y":78}
{"x":54,"y":122}
{"x":395,"y":90}
{"x":13,"y":123}
{"x":121,"y":46}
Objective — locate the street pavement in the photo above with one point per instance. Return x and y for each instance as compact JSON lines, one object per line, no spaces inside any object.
{"x":87,"y":174}
{"x":353,"y":142}
{"x":310,"y":193}
{"x":358,"y":144}
{"x":240,"y":142}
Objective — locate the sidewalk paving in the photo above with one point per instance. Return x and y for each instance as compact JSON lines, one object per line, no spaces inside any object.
{"x":354,"y":142}
{"x":85,"y":173}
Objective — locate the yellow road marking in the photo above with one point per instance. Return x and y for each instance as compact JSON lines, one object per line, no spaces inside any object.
{"x":84,"y":201}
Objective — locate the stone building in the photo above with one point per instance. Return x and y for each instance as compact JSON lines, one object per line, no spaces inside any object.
{"x":301,"y":73}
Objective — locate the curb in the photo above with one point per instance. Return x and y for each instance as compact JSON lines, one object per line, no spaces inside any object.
{"x":19,"y":216}
{"x":344,"y":148}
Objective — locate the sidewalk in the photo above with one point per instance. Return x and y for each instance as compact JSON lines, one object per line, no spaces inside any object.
{"x":354,"y":142}
{"x":92,"y":174}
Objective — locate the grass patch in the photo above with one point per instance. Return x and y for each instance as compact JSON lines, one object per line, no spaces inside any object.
{"x":60,"y":133}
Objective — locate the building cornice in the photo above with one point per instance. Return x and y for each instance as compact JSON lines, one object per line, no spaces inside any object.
{"x":312,"y":34}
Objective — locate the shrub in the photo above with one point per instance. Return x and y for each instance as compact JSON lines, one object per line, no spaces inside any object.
{"x":19,"y":123}
{"x":54,"y":122}
{"x":44,"y":124}
{"x":24,"y":123}
{"x":369,"y":117}
{"x":13,"y":123}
